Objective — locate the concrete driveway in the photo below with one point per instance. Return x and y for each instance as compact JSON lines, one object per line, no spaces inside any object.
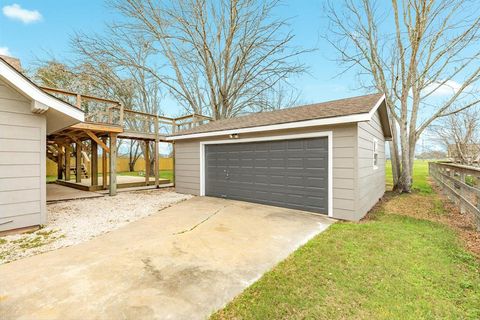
{"x":184,"y":262}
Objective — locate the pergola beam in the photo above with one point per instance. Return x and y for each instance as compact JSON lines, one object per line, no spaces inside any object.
{"x":97,"y":140}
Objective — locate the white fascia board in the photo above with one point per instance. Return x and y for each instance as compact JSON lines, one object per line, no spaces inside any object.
{"x":376,"y":106}
{"x":288,"y":125}
{"x":13,"y":77}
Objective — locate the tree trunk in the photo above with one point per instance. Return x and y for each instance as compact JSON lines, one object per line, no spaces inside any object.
{"x":408,"y":151}
{"x":394,"y":154}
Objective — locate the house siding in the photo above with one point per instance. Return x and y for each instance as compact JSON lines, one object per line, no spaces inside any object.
{"x":187,"y":164}
{"x":22,"y":162}
{"x":370,"y":181}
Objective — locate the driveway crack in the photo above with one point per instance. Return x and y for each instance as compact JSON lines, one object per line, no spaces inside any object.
{"x":204,"y":220}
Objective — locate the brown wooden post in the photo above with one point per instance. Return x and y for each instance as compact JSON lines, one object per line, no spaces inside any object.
{"x":94,"y":163}
{"x":460,"y":191}
{"x":113,"y":164}
{"x":104,"y":166}
{"x":68,"y":153}
{"x":156,"y":159}
{"x":78,"y":162}
{"x":147,"y":162}
{"x":59,"y":162}
{"x":173,"y":160}
{"x":121,"y":115}
{"x":79,"y":101}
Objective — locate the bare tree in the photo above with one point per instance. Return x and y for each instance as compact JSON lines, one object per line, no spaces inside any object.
{"x":120,"y":59}
{"x":421,"y":48}
{"x":222,"y":55}
{"x":460,"y":133}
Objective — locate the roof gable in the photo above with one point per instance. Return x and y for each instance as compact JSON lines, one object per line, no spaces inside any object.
{"x":42,"y":101}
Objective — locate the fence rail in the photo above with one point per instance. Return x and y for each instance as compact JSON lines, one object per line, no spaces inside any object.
{"x":461,"y":184}
{"x":106,"y":111}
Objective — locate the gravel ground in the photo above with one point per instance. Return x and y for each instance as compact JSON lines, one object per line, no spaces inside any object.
{"x":76,"y":221}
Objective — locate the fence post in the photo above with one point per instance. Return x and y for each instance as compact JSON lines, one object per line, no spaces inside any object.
{"x":121,"y":115}
{"x":462,"y":195}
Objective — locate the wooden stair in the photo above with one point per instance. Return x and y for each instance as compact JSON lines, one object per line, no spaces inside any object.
{"x":73,"y":171}
{"x":52,"y":154}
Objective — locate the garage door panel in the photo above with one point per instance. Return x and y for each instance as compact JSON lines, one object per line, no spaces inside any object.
{"x":287,"y":173}
{"x":317,"y":144}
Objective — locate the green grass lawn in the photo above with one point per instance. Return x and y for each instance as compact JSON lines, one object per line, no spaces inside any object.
{"x":164,"y":174}
{"x":420,"y":174}
{"x":390,"y":266}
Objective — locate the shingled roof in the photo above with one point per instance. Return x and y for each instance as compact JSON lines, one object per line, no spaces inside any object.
{"x":331,"y":109}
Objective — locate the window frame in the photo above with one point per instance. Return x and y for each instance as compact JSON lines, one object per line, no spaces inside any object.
{"x":375,"y":153}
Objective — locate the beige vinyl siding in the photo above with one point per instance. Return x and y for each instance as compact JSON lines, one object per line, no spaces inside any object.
{"x":187,"y":164}
{"x":187,"y":167}
{"x":22,"y":162}
{"x":371,"y":181}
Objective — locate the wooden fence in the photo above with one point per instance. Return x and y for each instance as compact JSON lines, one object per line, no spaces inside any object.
{"x":461,"y":184}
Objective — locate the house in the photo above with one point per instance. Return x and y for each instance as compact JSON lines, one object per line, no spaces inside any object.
{"x":327,"y":158}
{"x":27,"y":116}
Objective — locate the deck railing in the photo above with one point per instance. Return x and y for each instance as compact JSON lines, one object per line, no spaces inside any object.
{"x":461,"y":184}
{"x":106,"y":111}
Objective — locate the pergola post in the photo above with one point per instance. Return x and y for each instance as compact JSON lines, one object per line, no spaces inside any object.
{"x":104,"y":166}
{"x":147,"y":162}
{"x":94,"y":163}
{"x":173,"y":164}
{"x":59,"y":163}
{"x":78,"y":161}
{"x":113,"y":164}
{"x":68,"y":152}
{"x":156,"y":165}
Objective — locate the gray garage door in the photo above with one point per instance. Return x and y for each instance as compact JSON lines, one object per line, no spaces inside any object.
{"x":285,"y":173}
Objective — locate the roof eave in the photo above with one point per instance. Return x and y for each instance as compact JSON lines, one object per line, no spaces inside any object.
{"x":289,"y":125}
{"x":360,"y":117}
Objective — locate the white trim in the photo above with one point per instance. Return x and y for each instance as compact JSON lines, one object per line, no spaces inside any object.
{"x":376,"y":106}
{"x":13,"y":77}
{"x":297,"y":124}
{"x":328,"y":134}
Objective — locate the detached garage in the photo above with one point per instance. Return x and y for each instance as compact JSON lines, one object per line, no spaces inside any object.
{"x":326,"y":158}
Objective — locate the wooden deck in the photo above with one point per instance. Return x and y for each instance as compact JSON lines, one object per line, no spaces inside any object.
{"x":56,"y":192}
{"x":106,"y":121}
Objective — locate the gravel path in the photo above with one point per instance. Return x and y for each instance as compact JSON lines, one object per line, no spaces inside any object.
{"x":76,"y":221}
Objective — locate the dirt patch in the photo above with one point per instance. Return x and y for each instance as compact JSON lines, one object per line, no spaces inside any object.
{"x":77,"y":221}
{"x":434,"y":207}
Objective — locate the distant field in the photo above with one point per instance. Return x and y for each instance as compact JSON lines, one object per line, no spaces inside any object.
{"x":420,"y":175}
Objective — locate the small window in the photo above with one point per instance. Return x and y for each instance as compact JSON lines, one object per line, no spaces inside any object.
{"x":375,"y":154}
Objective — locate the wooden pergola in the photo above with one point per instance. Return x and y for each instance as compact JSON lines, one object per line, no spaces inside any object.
{"x":102,"y":128}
